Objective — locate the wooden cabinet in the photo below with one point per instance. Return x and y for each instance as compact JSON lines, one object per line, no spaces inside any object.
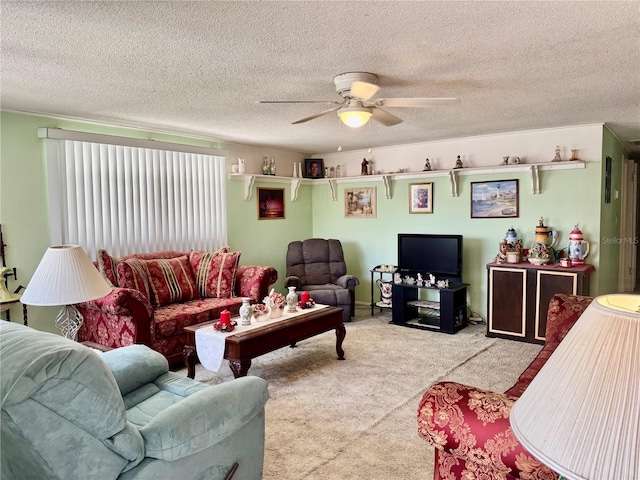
{"x":519,"y":296}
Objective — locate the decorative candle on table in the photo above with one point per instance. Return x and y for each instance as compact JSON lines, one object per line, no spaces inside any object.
{"x":225,"y":317}
{"x":304,"y":296}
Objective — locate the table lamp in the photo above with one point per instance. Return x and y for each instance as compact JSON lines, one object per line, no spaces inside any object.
{"x":580,"y":415}
{"x":65,"y":276}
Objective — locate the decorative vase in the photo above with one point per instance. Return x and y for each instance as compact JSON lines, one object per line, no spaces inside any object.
{"x":276,"y":311}
{"x":265,"y":165}
{"x":262,"y":315}
{"x":245,"y":311}
{"x":385,"y":287}
{"x":241,"y":165}
{"x":272,"y":166}
{"x":292,"y":299}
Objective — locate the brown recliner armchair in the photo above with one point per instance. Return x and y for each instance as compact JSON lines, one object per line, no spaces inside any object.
{"x":317,"y":266}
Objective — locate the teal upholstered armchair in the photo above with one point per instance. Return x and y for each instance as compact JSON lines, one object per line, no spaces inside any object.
{"x":71,"y":413}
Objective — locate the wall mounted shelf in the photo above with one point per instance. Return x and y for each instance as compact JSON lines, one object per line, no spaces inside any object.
{"x":387,"y":178}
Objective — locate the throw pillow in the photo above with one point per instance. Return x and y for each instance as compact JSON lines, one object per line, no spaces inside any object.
{"x":133,"y":273}
{"x":215,"y":272}
{"x":171,"y":280}
{"x":108,"y":267}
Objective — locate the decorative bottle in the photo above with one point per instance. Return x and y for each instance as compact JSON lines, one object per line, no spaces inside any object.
{"x":292,"y":299}
{"x":272,"y":167}
{"x":245,"y":311}
{"x":265,"y":165}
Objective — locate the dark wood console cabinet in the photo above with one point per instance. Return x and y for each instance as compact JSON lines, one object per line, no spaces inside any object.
{"x":448,"y":316}
{"x":519,"y":296}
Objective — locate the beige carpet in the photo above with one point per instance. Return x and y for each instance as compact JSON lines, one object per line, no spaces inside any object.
{"x":356,"y":419}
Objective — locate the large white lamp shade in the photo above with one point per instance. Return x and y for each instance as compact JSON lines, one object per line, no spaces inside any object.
{"x":581,"y":414}
{"x":65,"y":276}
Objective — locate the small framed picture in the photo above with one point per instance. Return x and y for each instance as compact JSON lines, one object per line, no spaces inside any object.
{"x":270,"y":203}
{"x":360,"y":202}
{"x":498,"y":199}
{"x":313,"y":168}
{"x":421,"y":198}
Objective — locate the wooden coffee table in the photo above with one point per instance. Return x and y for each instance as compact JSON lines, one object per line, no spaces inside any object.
{"x":242,"y":347}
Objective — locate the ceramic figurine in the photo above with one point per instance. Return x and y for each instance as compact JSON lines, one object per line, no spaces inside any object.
{"x":363,"y":169}
{"x":397,"y":278}
{"x":459,"y":163}
{"x":574,"y":155}
{"x":557,"y":158}
{"x":505,"y":161}
{"x":427,"y":166}
{"x":420,"y":281}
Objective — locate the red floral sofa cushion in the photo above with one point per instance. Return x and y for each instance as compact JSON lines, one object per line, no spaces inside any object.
{"x":171,"y":280}
{"x":215,"y":272}
{"x":470,"y":426}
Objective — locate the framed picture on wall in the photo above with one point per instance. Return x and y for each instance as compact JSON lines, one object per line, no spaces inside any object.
{"x":497,"y":199}
{"x":421,"y":198}
{"x":270,"y":203}
{"x":360,"y":202}
{"x":313,"y":168}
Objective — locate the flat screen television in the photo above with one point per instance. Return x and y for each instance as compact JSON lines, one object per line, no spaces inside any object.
{"x":439,"y":255}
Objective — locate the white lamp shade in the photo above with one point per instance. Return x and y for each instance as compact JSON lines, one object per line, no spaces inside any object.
{"x":580,"y":415}
{"x":65,"y":276}
{"x":354,"y":116}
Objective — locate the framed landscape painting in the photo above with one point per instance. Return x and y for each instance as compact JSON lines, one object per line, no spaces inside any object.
{"x":270,"y":203}
{"x":360,"y":202}
{"x":497,"y":199}
{"x":421,"y":198}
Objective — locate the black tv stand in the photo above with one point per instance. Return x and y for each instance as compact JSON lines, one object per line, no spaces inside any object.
{"x":448,"y":315}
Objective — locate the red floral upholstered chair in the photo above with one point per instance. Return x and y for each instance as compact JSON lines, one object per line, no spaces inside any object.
{"x":470,"y":427}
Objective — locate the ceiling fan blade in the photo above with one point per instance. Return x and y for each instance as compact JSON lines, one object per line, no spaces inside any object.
{"x":363,"y":90}
{"x":385,"y":118}
{"x":306,"y":119}
{"x":416,"y":102}
{"x":299,"y":101}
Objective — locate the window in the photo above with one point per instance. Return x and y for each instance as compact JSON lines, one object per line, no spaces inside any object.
{"x":130,"y":197}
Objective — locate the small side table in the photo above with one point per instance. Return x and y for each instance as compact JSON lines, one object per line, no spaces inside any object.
{"x":380,"y":270}
{"x":4,"y":307}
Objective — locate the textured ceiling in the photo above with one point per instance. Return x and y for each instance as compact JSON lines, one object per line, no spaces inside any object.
{"x":198,"y":68}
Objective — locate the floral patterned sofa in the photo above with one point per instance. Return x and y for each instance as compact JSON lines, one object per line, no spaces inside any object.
{"x":470,"y":427}
{"x":155,"y":295}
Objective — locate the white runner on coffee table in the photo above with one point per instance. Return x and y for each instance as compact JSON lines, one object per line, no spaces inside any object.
{"x":210,"y":342}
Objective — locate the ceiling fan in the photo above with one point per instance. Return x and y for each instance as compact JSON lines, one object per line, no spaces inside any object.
{"x":357,"y":88}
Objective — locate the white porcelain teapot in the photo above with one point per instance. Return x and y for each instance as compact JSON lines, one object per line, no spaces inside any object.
{"x":578,"y":248}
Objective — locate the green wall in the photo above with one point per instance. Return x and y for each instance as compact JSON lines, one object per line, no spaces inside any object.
{"x":568,"y":197}
{"x":610,"y":216}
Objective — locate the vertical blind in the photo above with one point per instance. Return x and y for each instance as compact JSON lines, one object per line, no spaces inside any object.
{"x":128,"y":199}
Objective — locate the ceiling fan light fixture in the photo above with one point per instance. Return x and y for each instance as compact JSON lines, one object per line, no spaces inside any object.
{"x":355,"y":117}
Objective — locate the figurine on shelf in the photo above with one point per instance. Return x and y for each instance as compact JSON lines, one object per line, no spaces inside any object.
{"x":397,"y":278}
{"x":557,"y":158}
{"x":574,"y":155}
{"x":505,"y":161}
{"x":427,"y":166}
{"x":420,"y":281}
{"x":459,"y":163}
{"x":363,"y":170}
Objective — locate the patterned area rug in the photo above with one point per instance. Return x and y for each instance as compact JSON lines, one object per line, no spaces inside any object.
{"x":356,"y":419}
